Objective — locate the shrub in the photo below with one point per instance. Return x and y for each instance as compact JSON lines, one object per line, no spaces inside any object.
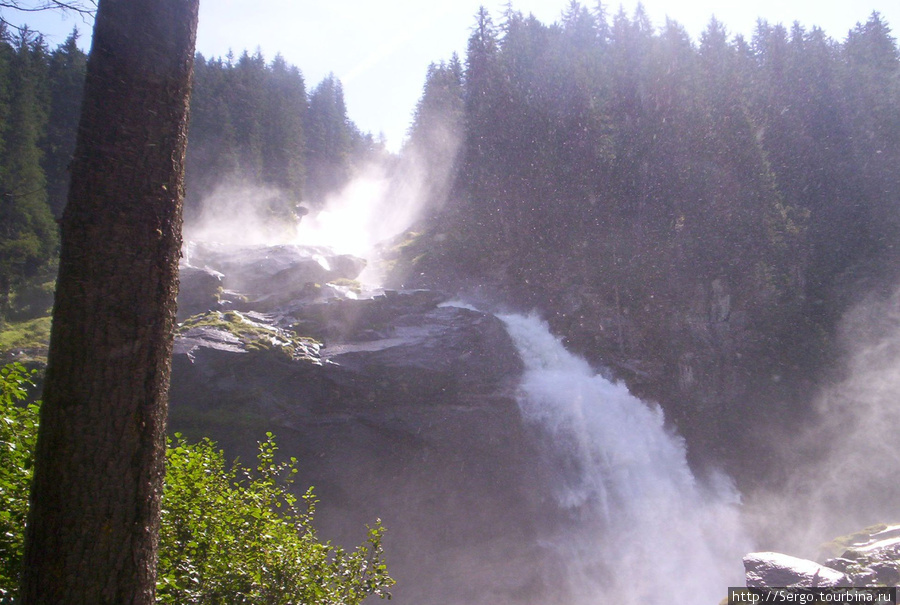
{"x":18,"y":435}
{"x":236,"y":535}
{"x":229,"y":535}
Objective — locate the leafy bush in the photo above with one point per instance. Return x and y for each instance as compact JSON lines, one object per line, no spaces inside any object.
{"x":229,"y":535}
{"x":18,"y":435}
{"x":238,"y":536}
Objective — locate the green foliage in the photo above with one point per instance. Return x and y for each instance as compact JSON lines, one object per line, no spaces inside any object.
{"x":28,"y":235}
{"x":18,"y":436}
{"x":234,"y":535}
{"x":67,"y":66}
{"x":40,"y":98}
{"x":33,"y":298}
{"x":228,"y":535}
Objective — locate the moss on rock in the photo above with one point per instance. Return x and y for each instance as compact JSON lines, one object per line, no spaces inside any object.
{"x":253,"y":334}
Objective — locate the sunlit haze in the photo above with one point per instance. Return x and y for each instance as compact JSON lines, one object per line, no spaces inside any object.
{"x":381,"y":50}
{"x":616,"y":317}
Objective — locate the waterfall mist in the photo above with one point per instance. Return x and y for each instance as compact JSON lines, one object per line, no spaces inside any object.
{"x":355,"y":218}
{"x":641,"y":527}
{"x":237,"y":211}
{"x":380,"y":202}
{"x":841,"y":466}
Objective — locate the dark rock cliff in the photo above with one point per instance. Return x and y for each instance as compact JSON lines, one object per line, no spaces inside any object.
{"x":727,"y":356}
{"x":396,"y":407}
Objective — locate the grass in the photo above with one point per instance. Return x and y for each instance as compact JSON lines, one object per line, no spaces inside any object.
{"x":30,"y":334}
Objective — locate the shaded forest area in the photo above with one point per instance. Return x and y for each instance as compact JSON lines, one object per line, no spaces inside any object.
{"x":253,"y":123}
{"x":696,"y":216}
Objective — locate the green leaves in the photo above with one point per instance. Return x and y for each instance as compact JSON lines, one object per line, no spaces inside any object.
{"x":238,"y":535}
{"x":18,"y":436}
{"x":228,"y":535}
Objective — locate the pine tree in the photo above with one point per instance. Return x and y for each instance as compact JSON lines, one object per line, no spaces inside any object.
{"x":66,"y":79}
{"x":246,"y":86}
{"x":93,"y":526}
{"x":28,"y":235}
{"x":212,"y":153}
{"x":435,"y":136}
{"x":871,"y":84}
{"x":283,"y":112}
{"x":485,"y":118}
{"x":329,"y":140}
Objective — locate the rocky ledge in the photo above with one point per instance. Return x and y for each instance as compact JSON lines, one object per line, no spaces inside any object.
{"x":396,"y":405}
{"x":870,"y":557}
{"x":216,"y":275}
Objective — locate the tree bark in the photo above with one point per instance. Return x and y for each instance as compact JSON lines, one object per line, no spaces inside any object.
{"x":93,"y":526}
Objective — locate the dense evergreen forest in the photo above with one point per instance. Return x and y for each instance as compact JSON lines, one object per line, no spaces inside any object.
{"x":777,"y":154}
{"x":253,"y":122}
{"x":699,"y":213}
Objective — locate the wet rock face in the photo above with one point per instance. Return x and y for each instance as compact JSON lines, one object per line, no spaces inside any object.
{"x":276,"y":274}
{"x":199,"y":290}
{"x":396,"y":408}
{"x":444,"y":354}
{"x":771,"y":569}
{"x":870,"y":557}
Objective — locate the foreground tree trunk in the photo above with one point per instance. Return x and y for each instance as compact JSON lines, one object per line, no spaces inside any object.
{"x":93,"y":526}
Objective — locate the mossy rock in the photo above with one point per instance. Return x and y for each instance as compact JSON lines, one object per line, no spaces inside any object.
{"x":841,"y":544}
{"x":254,"y":335}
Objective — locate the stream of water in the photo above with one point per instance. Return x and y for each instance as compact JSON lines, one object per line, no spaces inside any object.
{"x":645,"y":529}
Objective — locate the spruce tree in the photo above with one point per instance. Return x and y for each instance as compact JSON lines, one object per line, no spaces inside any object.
{"x":282,"y":115}
{"x":28,"y":234}
{"x":329,"y":140}
{"x":66,"y":81}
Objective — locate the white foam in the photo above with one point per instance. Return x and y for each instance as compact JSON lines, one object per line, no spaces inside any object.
{"x":648,"y":531}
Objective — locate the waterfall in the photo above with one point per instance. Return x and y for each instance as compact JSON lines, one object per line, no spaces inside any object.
{"x":641,"y":527}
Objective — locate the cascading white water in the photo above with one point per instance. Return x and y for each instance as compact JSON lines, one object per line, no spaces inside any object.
{"x":644,"y":529}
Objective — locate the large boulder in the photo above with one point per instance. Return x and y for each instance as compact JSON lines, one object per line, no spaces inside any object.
{"x":343,"y":321}
{"x":275,"y":274}
{"x":869,"y":557}
{"x":772,"y":569}
{"x":235,"y":332}
{"x":445,"y":355}
{"x":415,"y":353}
{"x":199,"y":290}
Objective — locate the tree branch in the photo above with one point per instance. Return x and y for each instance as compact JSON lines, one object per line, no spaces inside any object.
{"x":85,"y":8}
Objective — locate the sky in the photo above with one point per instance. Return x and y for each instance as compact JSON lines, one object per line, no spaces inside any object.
{"x":380,"y":50}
